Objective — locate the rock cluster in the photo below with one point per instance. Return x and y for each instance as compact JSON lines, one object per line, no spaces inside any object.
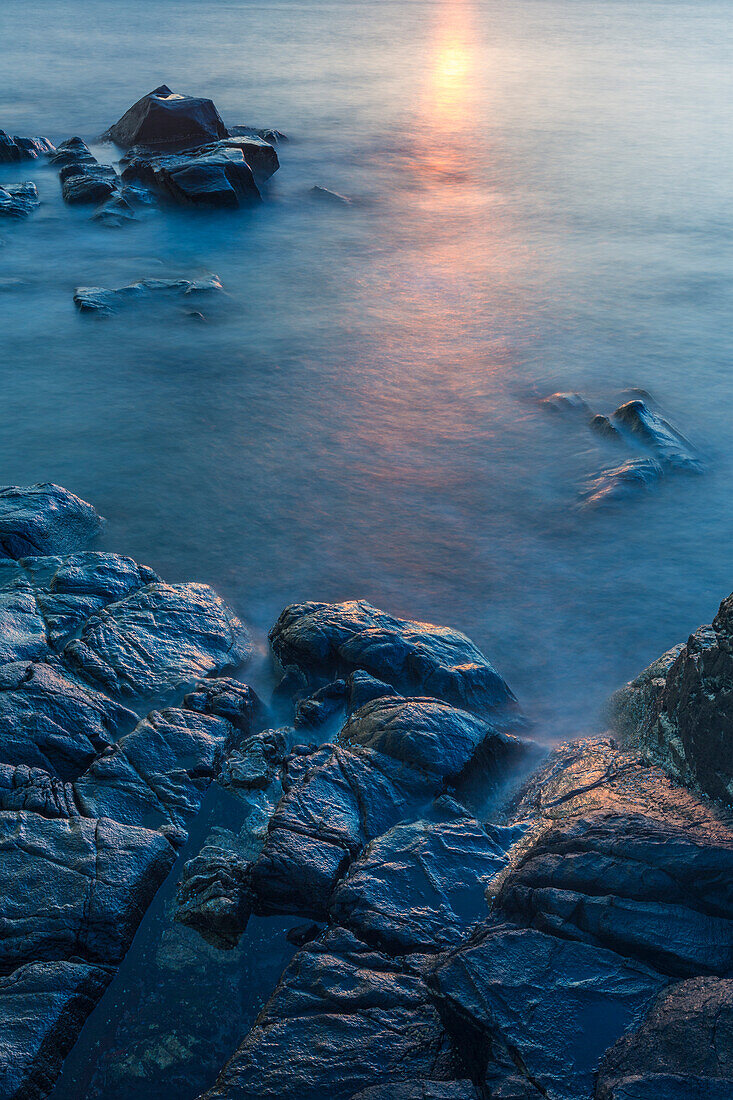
{"x":96,"y":788}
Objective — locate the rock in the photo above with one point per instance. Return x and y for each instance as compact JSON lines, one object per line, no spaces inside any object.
{"x":15,"y":149}
{"x":361,"y":688}
{"x":23,"y":632}
{"x":72,"y":151}
{"x":420,"y":886}
{"x":18,"y":200}
{"x":316,"y":710}
{"x":333,"y":198}
{"x":216,"y":176}
{"x":604,"y":426}
{"x":87,"y":183}
{"x":683,"y":1049}
{"x":95,"y":299}
{"x":213,"y":897}
{"x":259,"y":154}
{"x":269,"y":134}
{"x":679,"y":712}
{"x":420,"y":1090}
{"x":165,"y":118}
{"x":343,"y":1017}
{"x":669,"y":447}
{"x":157,"y":774}
{"x":566,"y":403}
{"x":432,"y":736}
{"x":44,"y":519}
{"x":620,"y":482}
{"x":157,"y":641}
{"x":50,"y":722}
{"x":302,"y":934}
{"x":329,"y":641}
{"x":116,"y":211}
{"x":42,"y":1008}
{"x":547,"y":1006}
{"x":230,"y":699}
{"x":254,"y":764}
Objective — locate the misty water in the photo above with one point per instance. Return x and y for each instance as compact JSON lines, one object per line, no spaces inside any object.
{"x":540,"y":202}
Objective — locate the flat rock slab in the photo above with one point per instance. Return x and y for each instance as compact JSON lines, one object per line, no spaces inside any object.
{"x":343,"y":1017}
{"x":328,"y":641}
{"x":103,"y":302}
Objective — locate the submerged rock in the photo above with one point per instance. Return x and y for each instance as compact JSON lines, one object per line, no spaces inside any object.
{"x":322,"y":194}
{"x":567,"y":403}
{"x":164,"y":117}
{"x":95,"y":299}
{"x":213,"y":897}
{"x":657,"y":434}
{"x":18,"y":200}
{"x":343,"y":1017}
{"x":327,"y":641}
{"x":620,"y":482}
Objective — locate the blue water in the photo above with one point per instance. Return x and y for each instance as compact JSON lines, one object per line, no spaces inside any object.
{"x":540,"y":202}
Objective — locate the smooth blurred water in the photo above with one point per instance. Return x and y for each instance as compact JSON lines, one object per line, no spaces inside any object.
{"x":541,"y":202}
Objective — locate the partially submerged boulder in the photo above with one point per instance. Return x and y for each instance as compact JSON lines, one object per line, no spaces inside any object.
{"x":618,"y":483}
{"x":327,"y":641}
{"x":104,"y":302}
{"x":215,"y":176}
{"x":654,"y":432}
{"x":167,"y":118}
{"x":213,"y":896}
{"x":18,"y":200}
{"x":15,"y":149}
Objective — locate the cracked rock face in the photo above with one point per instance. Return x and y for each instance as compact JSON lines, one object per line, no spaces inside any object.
{"x":328,"y":641}
{"x":94,"y":800}
{"x":679,"y":711}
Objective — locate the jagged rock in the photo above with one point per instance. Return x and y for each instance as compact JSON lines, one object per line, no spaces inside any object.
{"x":44,"y":519}
{"x":23,"y":634}
{"x":213,"y":897}
{"x":230,"y":699}
{"x":216,"y":175}
{"x":679,"y":712}
{"x":653,"y":431}
{"x":268,"y":133}
{"x":620,"y":482}
{"x":567,"y":403}
{"x":18,"y":200}
{"x":302,"y":934}
{"x":420,"y":886}
{"x":604,"y":426}
{"x":254,"y":764}
{"x":95,"y":299}
{"x":72,"y":151}
{"x":361,"y":688}
{"x":164,"y":117}
{"x":342,"y":1018}
{"x":115,"y":212}
{"x":158,"y":640}
{"x":15,"y":149}
{"x":50,"y":722}
{"x":258,"y":153}
{"x":316,"y":709}
{"x":545,"y":1006}
{"x":333,"y":198}
{"x":329,"y":641}
{"x":42,"y":1008}
{"x":683,"y":1049}
{"x":430,"y":735}
{"x":87,"y":182}
{"x":420,"y":1090}
{"x":157,"y":774}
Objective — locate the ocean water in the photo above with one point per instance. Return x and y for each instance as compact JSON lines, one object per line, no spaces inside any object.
{"x":540,"y":202}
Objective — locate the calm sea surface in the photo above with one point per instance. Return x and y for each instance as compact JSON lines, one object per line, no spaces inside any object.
{"x":541,"y":202}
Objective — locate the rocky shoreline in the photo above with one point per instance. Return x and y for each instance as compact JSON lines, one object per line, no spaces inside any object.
{"x":472,"y":918}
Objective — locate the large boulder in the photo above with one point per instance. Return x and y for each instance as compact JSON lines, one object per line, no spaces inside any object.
{"x":216,"y":175}
{"x":343,"y":1017}
{"x":166,"y":118}
{"x":679,"y":712}
{"x":327,"y":641}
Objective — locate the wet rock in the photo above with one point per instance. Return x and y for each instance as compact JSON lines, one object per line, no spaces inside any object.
{"x":343,"y":1017}
{"x":547,"y":1006}
{"x":668,"y":445}
{"x":268,"y":133}
{"x":213,"y":897}
{"x":48,"y":721}
{"x":42,"y":1008}
{"x":218,"y":176}
{"x":302,"y":934}
{"x":18,"y":200}
{"x":15,"y":149}
{"x":254,"y":764}
{"x":420,"y":887}
{"x":361,"y":688}
{"x":316,"y":710}
{"x":87,"y":183}
{"x":621,"y":482}
{"x":432,"y":736}
{"x":116,"y":211}
{"x":158,"y":641}
{"x":679,"y":712}
{"x":95,"y":299}
{"x":157,"y":774}
{"x":44,"y":519}
{"x":166,"y":118}
{"x":325,"y":642}
{"x":257,"y":152}
{"x":72,"y":151}
{"x":683,"y":1049}
{"x":572,"y":403}
{"x":23,"y":633}
{"x":332,"y":198}
{"x":604,"y":426}
{"x":421,"y":1090}
{"x":230,"y":699}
